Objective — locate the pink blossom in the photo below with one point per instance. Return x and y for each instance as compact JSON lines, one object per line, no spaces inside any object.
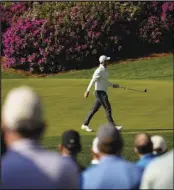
{"x":154,"y":4}
{"x":46,"y":40}
{"x":35,"y":44}
{"x":97,"y":34}
{"x":84,"y":46}
{"x":41,"y":51}
{"x":41,"y":61}
{"x":163,"y":16}
{"x":23,"y":60}
{"x":156,"y":41}
{"x":31,"y":57}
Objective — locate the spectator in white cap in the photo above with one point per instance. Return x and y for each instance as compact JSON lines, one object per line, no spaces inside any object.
{"x":159,"y":173}
{"x":159,"y":145}
{"x":100,"y":79}
{"x":26,"y":165}
{"x":95,"y":152}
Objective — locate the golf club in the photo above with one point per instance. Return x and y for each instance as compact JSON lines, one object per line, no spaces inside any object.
{"x":145,"y":90}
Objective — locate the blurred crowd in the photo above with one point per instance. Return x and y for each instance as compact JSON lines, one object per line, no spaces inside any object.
{"x":26,"y":164}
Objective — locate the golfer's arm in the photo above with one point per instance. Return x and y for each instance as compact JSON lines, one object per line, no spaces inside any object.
{"x":95,"y":77}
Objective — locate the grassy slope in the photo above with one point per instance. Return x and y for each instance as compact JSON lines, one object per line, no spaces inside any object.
{"x":10,"y":75}
{"x":154,"y":68}
{"x":66,"y":108}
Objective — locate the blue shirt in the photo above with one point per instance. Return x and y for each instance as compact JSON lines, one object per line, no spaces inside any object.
{"x":112,"y":173}
{"x":26,"y":165}
{"x":145,"y":159}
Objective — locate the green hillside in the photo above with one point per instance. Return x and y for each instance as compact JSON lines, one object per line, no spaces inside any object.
{"x":159,"y":68}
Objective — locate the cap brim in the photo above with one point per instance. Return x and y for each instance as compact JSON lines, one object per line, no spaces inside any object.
{"x":108,"y":58}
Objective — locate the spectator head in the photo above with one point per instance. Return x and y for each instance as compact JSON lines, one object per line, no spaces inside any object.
{"x":22,"y":115}
{"x":70,"y":143}
{"x":109,"y":140}
{"x":94,"y":149}
{"x":143,"y":144}
{"x":159,"y":145}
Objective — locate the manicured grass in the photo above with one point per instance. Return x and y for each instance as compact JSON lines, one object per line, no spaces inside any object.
{"x":11,"y":75}
{"x":159,"y":68}
{"x":65,"y":107}
{"x":128,"y":152}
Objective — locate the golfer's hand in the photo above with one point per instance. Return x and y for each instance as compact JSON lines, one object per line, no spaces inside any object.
{"x":116,"y":86}
{"x":86,"y":94}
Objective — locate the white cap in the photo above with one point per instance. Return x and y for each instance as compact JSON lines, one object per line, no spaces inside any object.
{"x":95,"y":145}
{"x":159,"y":142}
{"x":103,"y":58}
{"x":20,"y":104}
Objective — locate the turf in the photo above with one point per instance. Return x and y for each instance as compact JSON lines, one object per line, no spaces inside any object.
{"x":65,"y":107}
{"x":158,"y":68}
{"x":152,"y":68}
{"x":128,"y":153}
{"x":11,"y":75}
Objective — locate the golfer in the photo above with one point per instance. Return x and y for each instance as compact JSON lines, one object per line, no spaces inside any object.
{"x":100,"y":79}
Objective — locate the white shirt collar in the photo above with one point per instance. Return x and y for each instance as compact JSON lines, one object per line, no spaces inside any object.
{"x":101,"y":65}
{"x":95,"y":162}
{"x":22,"y":144}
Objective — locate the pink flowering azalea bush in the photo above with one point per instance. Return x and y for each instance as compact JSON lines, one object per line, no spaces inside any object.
{"x":22,"y":42}
{"x":10,"y":12}
{"x":74,"y":39}
{"x":48,"y":40}
{"x":156,"y":28}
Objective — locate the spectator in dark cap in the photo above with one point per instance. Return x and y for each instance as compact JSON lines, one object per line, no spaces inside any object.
{"x":70,"y":146}
{"x":112,"y":172}
{"x":144,"y":149}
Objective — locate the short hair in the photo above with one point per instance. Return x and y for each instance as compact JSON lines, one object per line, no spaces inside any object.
{"x":145,"y":146}
{"x":110,"y":146}
{"x":31,"y":129}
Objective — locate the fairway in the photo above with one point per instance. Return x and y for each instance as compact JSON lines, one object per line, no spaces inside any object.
{"x":66,"y":108}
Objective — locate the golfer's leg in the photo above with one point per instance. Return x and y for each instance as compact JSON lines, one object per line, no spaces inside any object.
{"x":102,"y":96}
{"x":94,"y":109}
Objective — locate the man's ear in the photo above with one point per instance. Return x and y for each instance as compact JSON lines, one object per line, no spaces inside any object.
{"x":60,"y":147}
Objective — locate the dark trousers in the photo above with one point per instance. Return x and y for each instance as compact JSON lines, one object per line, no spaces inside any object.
{"x":101,"y":99}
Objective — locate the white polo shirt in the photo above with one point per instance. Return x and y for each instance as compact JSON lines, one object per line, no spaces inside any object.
{"x":100,"y":79}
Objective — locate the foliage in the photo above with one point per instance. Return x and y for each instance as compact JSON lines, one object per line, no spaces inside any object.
{"x":48,"y":37}
{"x":10,"y":12}
{"x":156,"y":28}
